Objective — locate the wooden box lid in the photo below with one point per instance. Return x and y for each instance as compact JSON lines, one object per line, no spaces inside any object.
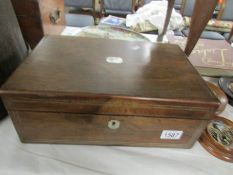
{"x":113,"y":68}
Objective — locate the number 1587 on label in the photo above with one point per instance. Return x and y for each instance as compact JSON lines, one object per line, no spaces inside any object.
{"x":171,"y":134}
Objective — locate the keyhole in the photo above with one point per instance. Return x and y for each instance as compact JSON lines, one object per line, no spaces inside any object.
{"x":113,"y":124}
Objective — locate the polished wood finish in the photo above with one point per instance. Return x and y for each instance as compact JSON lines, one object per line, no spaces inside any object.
{"x":92,"y":129}
{"x":215,"y":148}
{"x":202,"y":13}
{"x":152,"y":90}
{"x":103,"y":104}
{"x":167,"y":20}
{"x":148,"y":77}
{"x":220,"y":95}
{"x":34,"y":18}
{"x":12,"y":45}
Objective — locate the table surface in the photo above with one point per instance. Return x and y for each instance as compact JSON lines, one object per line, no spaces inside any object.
{"x":47,"y":159}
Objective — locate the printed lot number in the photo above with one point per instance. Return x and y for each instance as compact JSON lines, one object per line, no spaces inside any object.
{"x":171,"y":134}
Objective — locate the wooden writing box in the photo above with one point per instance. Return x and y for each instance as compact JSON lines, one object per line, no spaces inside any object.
{"x":108,"y":92}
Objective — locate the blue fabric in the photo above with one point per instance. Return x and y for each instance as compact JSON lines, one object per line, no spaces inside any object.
{"x":120,"y":5}
{"x":79,"y":3}
{"x":228,"y":11}
{"x":77,"y":20}
{"x":188,"y":8}
{"x":207,"y":35}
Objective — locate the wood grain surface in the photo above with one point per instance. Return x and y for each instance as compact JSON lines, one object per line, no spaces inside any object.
{"x":151,"y":71}
{"x":220,"y":95}
{"x":67,"y":91}
{"x":202,"y":13}
{"x":41,"y":127}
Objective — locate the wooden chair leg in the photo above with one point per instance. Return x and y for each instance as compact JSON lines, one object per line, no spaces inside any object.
{"x":102,"y":14}
{"x":133,"y":6}
{"x":167,"y":20}
{"x":222,"y":7}
{"x":183,"y":2}
{"x":94,"y":10}
{"x":202,"y":13}
{"x":230,"y":36}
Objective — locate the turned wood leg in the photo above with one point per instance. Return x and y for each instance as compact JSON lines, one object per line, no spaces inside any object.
{"x":202,"y":13}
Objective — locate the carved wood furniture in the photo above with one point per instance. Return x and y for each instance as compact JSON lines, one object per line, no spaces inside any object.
{"x":201,"y":14}
{"x":167,"y":19}
{"x":38,"y":18}
{"x":108,"y":92}
{"x":187,"y":11}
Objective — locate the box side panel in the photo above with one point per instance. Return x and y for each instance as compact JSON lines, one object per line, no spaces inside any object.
{"x":44,"y":127}
{"x":112,"y":106}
